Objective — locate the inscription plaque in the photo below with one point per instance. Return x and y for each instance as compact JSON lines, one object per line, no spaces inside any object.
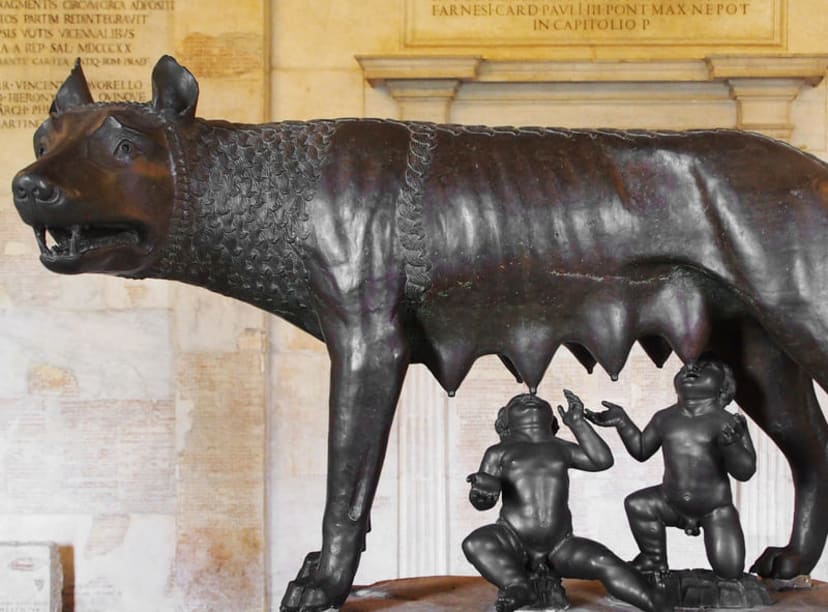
{"x":40,"y":39}
{"x":489,"y":23}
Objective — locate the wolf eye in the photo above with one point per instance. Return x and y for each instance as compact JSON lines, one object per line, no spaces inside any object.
{"x":40,"y":149}
{"x":40,"y":138}
{"x":125,"y":150}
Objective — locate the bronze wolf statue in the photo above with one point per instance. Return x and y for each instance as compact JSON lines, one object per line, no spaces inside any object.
{"x":398,"y":243}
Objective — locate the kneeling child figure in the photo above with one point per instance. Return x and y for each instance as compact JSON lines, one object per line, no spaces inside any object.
{"x":701,"y":444}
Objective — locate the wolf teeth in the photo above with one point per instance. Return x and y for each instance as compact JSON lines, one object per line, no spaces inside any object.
{"x":40,"y":236}
{"x":74,"y":243}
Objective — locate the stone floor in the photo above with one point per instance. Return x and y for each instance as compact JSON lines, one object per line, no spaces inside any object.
{"x":453,"y":593}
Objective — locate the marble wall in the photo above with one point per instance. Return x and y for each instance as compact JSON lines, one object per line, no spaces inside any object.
{"x":115,"y":396}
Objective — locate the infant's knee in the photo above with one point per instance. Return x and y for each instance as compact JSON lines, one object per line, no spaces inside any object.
{"x":725,"y":542}
{"x":473,"y":546}
{"x":480,"y":542}
{"x":639,"y":504}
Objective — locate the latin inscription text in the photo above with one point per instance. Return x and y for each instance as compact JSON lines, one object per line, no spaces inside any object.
{"x":41,"y":39}
{"x":515,"y":22}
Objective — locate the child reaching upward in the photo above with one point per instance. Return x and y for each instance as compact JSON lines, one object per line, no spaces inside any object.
{"x":529,"y":468}
{"x":702,"y":444}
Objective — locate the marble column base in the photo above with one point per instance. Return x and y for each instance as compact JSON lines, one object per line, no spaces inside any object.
{"x":456,"y":593}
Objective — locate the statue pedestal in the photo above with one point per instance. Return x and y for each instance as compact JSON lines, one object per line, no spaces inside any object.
{"x":453,"y":593}
{"x":31,"y":577}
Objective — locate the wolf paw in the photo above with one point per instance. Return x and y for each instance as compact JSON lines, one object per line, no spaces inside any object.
{"x":778,"y":562}
{"x":312,"y":593}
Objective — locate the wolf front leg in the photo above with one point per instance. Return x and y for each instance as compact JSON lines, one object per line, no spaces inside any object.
{"x":369,"y":359}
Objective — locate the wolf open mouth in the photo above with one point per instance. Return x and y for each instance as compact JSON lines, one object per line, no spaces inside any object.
{"x":73,"y":241}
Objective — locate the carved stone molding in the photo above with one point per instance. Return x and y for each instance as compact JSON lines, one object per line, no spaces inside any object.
{"x":423,"y":99}
{"x":423,"y":87}
{"x":809,"y":69}
{"x":763,"y":87}
{"x":764,"y":105}
{"x":380,"y":68}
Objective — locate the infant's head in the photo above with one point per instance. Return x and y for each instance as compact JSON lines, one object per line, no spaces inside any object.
{"x":525,"y":411}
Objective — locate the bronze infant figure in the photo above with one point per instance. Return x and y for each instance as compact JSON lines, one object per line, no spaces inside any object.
{"x":531,"y":546}
{"x":402,"y":242}
{"x":702,"y":445}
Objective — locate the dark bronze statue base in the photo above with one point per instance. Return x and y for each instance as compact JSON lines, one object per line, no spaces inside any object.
{"x":703,"y":589}
{"x":455,"y":593}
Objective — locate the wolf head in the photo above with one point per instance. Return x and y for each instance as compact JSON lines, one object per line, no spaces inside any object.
{"x":100,"y":193}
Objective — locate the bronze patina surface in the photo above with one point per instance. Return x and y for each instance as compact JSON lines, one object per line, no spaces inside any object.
{"x":401,"y":242}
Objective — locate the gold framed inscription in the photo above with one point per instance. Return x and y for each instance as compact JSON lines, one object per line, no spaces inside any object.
{"x":487,"y":23}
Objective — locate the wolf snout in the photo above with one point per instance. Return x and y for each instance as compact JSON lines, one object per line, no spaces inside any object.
{"x":32,"y":191}
{"x":35,"y":188}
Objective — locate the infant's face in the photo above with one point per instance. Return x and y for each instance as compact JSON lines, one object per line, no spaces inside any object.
{"x":530,"y":415}
{"x":701,"y":380}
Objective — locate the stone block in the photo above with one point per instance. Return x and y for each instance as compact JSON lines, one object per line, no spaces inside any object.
{"x":104,"y":355}
{"x":85,"y":456}
{"x":304,"y":94}
{"x":208,"y":323}
{"x":31,"y":578}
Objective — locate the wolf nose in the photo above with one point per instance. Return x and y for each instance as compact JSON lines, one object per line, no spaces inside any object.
{"x":32,"y":191}
{"x":33,"y":188}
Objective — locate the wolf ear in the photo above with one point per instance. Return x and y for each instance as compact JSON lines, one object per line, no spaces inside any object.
{"x":174,"y":90}
{"x":73,"y":92}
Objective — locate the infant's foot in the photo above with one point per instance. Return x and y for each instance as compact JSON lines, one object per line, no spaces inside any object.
{"x":514,"y":597}
{"x":649,"y":564}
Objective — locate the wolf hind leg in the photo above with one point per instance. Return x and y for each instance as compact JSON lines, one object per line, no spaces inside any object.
{"x":778,"y":394}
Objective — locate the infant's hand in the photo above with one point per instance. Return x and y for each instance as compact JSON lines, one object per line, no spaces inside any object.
{"x":485,"y":489}
{"x":613,"y":416}
{"x":575,"y":413}
{"x":482,"y":500}
{"x":733,"y":430}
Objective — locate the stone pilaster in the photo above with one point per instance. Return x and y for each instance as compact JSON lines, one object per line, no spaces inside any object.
{"x":423,"y":467}
{"x":423,"y":87}
{"x":764,"y":87}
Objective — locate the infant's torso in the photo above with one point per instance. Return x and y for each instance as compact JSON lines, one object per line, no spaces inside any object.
{"x":536,"y":492}
{"x":695,"y":477}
